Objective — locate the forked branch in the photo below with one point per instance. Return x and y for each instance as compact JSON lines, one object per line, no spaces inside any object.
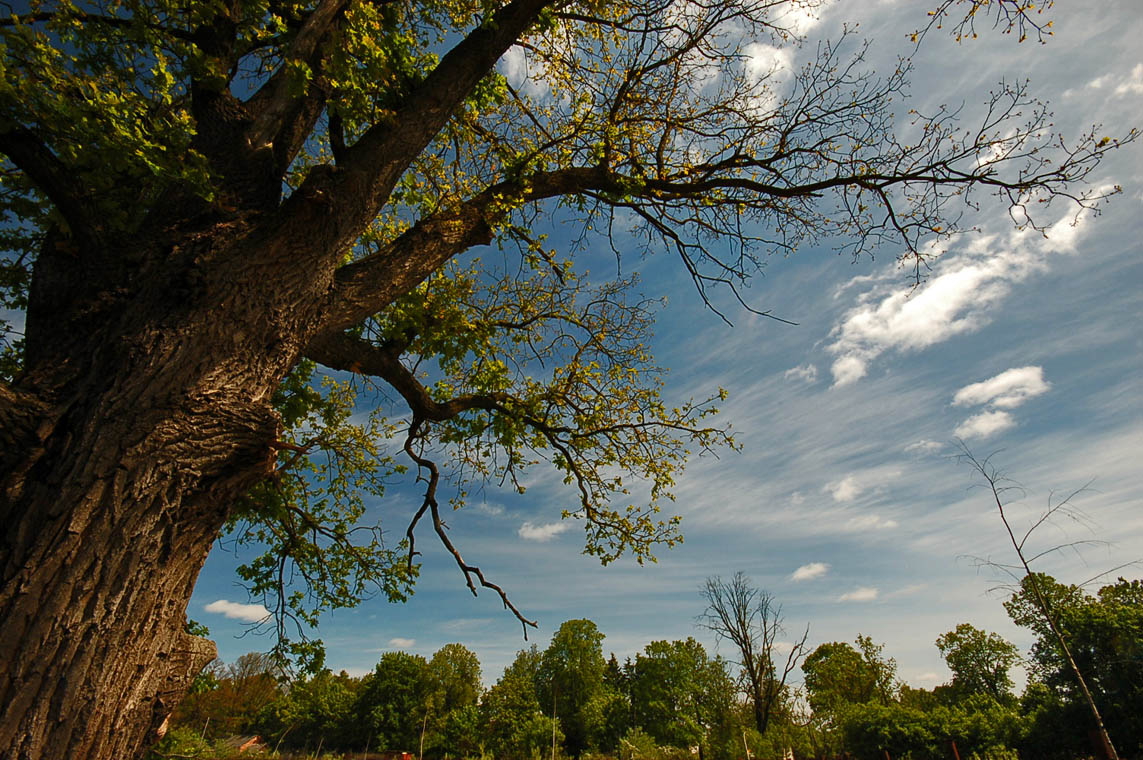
{"x":430,"y":506}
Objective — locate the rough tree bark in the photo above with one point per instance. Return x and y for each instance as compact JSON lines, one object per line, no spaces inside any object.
{"x":144,"y":405}
{"x":144,"y":410}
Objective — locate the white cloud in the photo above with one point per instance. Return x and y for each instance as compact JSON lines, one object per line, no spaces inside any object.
{"x":951,"y":303}
{"x":251,"y":613}
{"x":959,"y":298}
{"x":513,"y":65}
{"x":400,"y":643}
{"x":1133,"y":85}
{"x":490,"y":509}
{"x":763,"y":61}
{"x":869,"y":522}
{"x":863,"y":594}
{"x":810,"y":571}
{"x":799,"y":18}
{"x":849,"y":369}
{"x":924,"y":447}
{"x":855,"y":484}
{"x":984,"y":425}
{"x":846,"y":489}
{"x":521,"y":73}
{"x":911,"y":589}
{"x":807,"y":373}
{"x":529,"y":531}
{"x":1007,"y":390}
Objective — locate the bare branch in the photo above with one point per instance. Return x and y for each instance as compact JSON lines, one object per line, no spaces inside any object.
{"x":430,"y":504}
{"x":750,"y":619}
{"x":994,"y":480}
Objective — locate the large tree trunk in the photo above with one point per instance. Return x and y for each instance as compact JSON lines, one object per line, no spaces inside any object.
{"x":121,"y":450}
{"x":144,"y":409}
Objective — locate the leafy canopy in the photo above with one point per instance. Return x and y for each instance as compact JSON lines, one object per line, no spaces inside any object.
{"x":649,"y":117}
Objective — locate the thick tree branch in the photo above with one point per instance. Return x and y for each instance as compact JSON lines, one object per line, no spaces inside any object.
{"x":283,"y":118}
{"x":385,"y":151}
{"x":25,"y":149}
{"x":344,"y":352}
{"x":94,"y":18}
{"x":365,"y":287}
{"x":24,"y":423}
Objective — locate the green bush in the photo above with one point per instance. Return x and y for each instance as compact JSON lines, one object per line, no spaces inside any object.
{"x":996,"y":753}
{"x":183,"y":742}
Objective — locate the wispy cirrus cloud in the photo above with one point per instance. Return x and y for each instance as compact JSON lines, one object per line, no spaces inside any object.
{"x":530,"y":531}
{"x":869,"y":522}
{"x":806,"y":373}
{"x":250,"y":613}
{"x":810,"y":571}
{"x":398,"y":642}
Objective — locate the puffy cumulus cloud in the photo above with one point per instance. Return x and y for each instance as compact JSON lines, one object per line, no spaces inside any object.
{"x":959,"y":298}
{"x":530,"y":531}
{"x":984,"y":425}
{"x":250,"y":613}
{"x":850,"y":368}
{"x":1007,"y":390}
{"x":806,"y":373}
{"x":863,"y":594}
{"x":764,"y":61}
{"x":800,"y":18}
{"x":846,"y":489}
{"x":400,"y":643}
{"x":810,"y":571}
{"x":950,"y":304}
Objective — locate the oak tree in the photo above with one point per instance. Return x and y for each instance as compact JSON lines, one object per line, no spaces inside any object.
{"x":678,"y":693}
{"x":979,"y":661}
{"x":570,"y":682}
{"x":838,"y":675}
{"x":206,"y":203}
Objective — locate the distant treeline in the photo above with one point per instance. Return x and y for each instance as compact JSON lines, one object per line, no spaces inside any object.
{"x":673,"y":700}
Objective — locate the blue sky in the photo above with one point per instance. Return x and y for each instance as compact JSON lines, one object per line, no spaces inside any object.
{"x":846,"y":503}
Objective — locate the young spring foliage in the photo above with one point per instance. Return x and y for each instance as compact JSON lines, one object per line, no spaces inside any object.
{"x":225,"y":220}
